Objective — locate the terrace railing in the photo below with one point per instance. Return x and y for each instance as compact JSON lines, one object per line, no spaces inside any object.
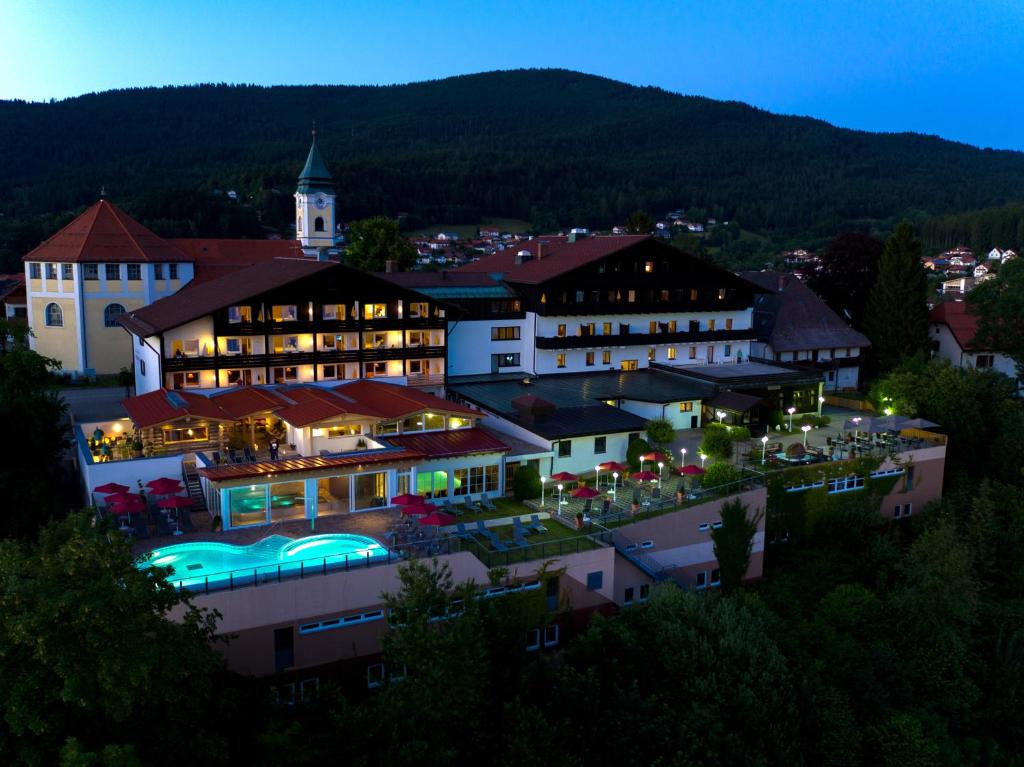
{"x":561,"y":547}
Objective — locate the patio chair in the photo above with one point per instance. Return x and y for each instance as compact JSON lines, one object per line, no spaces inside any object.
{"x":481,"y":530}
{"x":535,"y":524}
{"x":249,"y":457}
{"x":162,"y":526}
{"x":457,"y":507}
{"x":517,"y":527}
{"x":606,"y":507}
{"x":139,"y":527}
{"x":474,"y":507}
{"x":486,"y":503}
{"x":462,"y":532}
{"x":233,"y":456}
{"x":216,"y":457}
{"x":518,"y":539}
{"x":448,"y":506}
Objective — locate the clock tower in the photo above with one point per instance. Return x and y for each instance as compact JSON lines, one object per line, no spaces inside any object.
{"x":314,"y":204}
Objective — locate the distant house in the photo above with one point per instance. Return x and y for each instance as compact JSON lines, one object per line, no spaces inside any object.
{"x":953,"y":328}
{"x":446,"y":236}
{"x":957,"y":285}
{"x":490,"y":232}
{"x":794,"y":325}
{"x":1007,"y":255}
{"x":618,"y":230}
{"x":13,"y":299}
{"x":980,"y":271}
{"x":995,"y":255}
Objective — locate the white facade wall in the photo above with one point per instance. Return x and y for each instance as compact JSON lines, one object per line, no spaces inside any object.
{"x":950,"y":350}
{"x":584,"y":458}
{"x":669,"y":411}
{"x":146,"y":359}
{"x":470,"y":346}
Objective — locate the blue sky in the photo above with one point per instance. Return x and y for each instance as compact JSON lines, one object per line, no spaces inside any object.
{"x":955,"y":69}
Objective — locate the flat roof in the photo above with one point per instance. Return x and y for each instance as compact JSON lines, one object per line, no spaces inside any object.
{"x":744,"y":374}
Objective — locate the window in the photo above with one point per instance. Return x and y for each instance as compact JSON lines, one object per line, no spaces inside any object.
{"x":329,"y":372}
{"x":90,"y":271}
{"x":135,"y":272}
{"x":158,"y":271}
{"x":551,"y":635}
{"x":716,"y":577}
{"x":606,"y":328}
{"x":461,"y":482}
{"x":590,"y":359}
{"x":704,"y":527}
{"x":284,"y":313}
{"x":645,"y":591}
{"x":672,"y":326}
{"x":600,"y":445}
{"x":375,"y":675}
{"x":112,"y":271}
{"x":629,"y":364}
{"x":142,"y":367}
{"x":694,"y":326}
{"x":54,"y":316}
{"x":282,"y":375}
{"x":652,"y":354}
{"x":595,"y":580}
{"x":648,"y":266}
{"x":728,"y":323}
{"x":631,"y":296}
{"x":711,"y":324}
{"x":284,"y":648}
{"x":185,"y":348}
{"x":670,"y":353}
{"x":373,"y":369}
{"x":239,"y":314}
{"x":984,"y":361}
{"x":728,"y":350}
{"x":51,"y":271}
{"x":701,"y":580}
{"x":172,"y":271}
{"x":693,"y":294}
{"x":685,"y":407}
{"x":721,"y":294}
{"x":693,"y":353}
{"x":627,"y":598}
{"x":35,"y":271}
{"x":110,"y":315}
{"x":185,"y":381}
{"x":318,"y":224}
{"x":560,"y":360}
{"x":420,"y":309}
{"x":309,"y":689}
{"x":580,"y":298}
{"x":606,"y":358}
{"x":375,"y":311}
{"x":565,"y":448}
{"x":505,"y":360}
{"x":533,"y":640}
{"x":189,"y":434}
{"x":586,"y":329}
{"x":333,"y":311}
{"x":561,"y":331}
{"x":505,"y":333}
{"x":652,"y":327}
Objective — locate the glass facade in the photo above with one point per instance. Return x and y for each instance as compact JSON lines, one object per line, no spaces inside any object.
{"x":371,"y":490}
{"x":247,"y":505}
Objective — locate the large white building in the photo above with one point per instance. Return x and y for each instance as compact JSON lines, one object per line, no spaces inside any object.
{"x":953,"y":328}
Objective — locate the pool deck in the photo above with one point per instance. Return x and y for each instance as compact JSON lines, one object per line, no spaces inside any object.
{"x":370,"y":523}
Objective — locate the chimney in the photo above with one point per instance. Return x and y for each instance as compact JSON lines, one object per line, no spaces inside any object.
{"x":540,"y":250}
{"x":391,"y":266}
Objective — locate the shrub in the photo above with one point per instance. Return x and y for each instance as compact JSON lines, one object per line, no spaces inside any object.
{"x":719,"y":474}
{"x":526,"y":483}
{"x":636,"y":449}
{"x":660,"y":432}
{"x":778,"y":420}
{"x":717,"y":444}
{"x":739,"y":433}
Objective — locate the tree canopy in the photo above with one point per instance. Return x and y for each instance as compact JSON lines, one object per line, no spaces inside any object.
{"x":375,"y":241}
{"x":999,"y":305}
{"x":849,"y":267}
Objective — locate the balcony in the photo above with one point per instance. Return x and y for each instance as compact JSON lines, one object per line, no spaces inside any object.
{"x":645,"y":339}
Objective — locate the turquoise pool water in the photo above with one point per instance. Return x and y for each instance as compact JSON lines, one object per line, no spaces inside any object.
{"x":212,"y":565}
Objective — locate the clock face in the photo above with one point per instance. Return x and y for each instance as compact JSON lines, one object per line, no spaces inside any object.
{"x":321,"y":202}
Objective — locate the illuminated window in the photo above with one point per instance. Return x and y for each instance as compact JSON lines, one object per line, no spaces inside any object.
{"x":237,"y":314}
{"x":629,"y":364}
{"x":590,"y":359}
{"x":721,"y":294}
{"x":375,"y":311}
{"x":418,"y":309}
{"x":506,"y":333}
{"x":284,"y":313}
{"x":671,"y":352}
{"x":606,"y":358}
{"x":728,"y":323}
{"x":693,"y":294}
{"x":711,"y":324}
{"x":648,"y":266}
{"x":561,"y":331}
{"x":374,"y":369}
{"x":685,"y":407}
{"x":693,"y":353}
{"x":51,"y":271}
{"x":286,"y":374}
{"x":560,"y":360}
{"x":333,"y":311}
{"x":606,"y":328}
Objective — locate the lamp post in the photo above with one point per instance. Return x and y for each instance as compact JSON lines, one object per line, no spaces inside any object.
{"x":683,"y":453}
{"x":661,"y":467}
{"x":597,"y":477}
{"x":543,"y":480}
{"x":791,"y":411}
{"x":720,"y":415}
{"x":615,"y":482}
{"x":702,"y":459}
{"x":821,"y":401}
{"x":764,"y":447}
{"x":805,"y":428}
{"x":559,"y":496}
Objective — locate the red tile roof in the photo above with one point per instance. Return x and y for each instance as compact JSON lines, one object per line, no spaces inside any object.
{"x":556,"y":256}
{"x":191,"y":303}
{"x":245,"y":401}
{"x":105,"y":234}
{"x":163,"y":406}
{"x":445,"y":444}
{"x":958,"y":318}
{"x":216,"y":258}
{"x":395,"y":401}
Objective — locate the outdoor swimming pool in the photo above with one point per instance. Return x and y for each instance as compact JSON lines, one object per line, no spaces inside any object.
{"x":212,"y":566}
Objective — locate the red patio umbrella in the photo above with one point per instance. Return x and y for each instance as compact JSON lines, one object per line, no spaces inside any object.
{"x":584,"y":492}
{"x":613,"y":466}
{"x":407,"y":499}
{"x":164,"y":486}
{"x":655,"y":456}
{"x":417,"y":510}
{"x":123,"y":498}
{"x":175,"y":502}
{"x":437,"y":518}
{"x":643,"y":476}
{"x":691,"y":468}
{"x":126,"y":507}
{"x":111,"y":487}
{"x":564,"y":476}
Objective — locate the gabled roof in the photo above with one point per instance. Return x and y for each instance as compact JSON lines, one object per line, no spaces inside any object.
{"x":956,"y":315}
{"x":792,"y":317}
{"x":106,"y":234}
{"x":244,"y":401}
{"x":216,"y":258}
{"x":163,"y":406}
{"x":314,"y":175}
{"x":228,"y":290}
{"x":551,"y":256}
{"x":12,"y":288}
{"x":394,"y":401}
{"x":445,"y":444}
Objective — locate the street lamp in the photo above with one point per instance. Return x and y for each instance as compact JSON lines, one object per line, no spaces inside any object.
{"x":559,"y":495}
{"x":542,"y":481}
{"x":702,"y":459}
{"x":615,"y":482}
{"x":805,"y":428}
{"x":888,"y":411}
{"x":764,"y":447}
{"x":683,"y":452}
{"x":720,"y":415}
{"x":791,"y":411}
{"x":597,"y":477}
{"x":661,"y":466}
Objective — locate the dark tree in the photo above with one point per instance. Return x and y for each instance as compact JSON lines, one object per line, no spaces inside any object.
{"x":999,"y":304}
{"x":849,"y":266}
{"x":897,"y":310}
{"x":375,"y":241}
{"x":733,"y":542}
{"x":639,"y":223}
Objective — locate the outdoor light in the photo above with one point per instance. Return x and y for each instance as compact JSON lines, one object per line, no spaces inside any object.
{"x":615,"y":482}
{"x":791,"y":411}
{"x":661,"y":466}
{"x":190,"y":432}
{"x":821,"y":400}
{"x":702,"y":459}
{"x":559,"y":493}
{"x":764,"y":447}
{"x":542,"y":481}
{"x":720,"y":415}
{"x":597,"y":476}
{"x":888,"y":411}
{"x":117,"y":428}
{"x":683,"y":451}
{"x":805,"y":428}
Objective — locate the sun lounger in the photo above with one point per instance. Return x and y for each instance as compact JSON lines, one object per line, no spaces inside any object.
{"x":483,"y":532}
{"x":536,"y":525}
{"x":216,"y":457}
{"x":474,"y":507}
{"x":233,"y":456}
{"x":518,"y":539}
{"x":462,"y":532}
{"x":457,"y":507}
{"x":517,"y":527}
{"x":486,"y":503}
